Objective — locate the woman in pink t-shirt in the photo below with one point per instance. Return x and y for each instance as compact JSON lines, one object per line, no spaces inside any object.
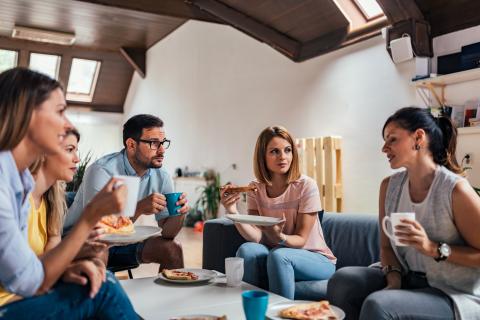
{"x":295,"y":249}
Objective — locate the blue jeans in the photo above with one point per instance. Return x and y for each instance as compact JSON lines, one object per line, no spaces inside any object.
{"x":71,"y":301}
{"x":358,"y":291}
{"x":280,"y":267}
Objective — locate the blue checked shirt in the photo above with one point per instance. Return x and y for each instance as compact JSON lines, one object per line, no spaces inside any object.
{"x":21,"y":272}
{"x":102,"y":170}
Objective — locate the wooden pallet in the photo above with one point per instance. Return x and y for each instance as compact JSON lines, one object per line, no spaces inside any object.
{"x":321,"y":159}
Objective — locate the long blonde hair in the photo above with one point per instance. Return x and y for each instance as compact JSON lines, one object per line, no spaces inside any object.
{"x":54,"y":197}
{"x":22,"y":90}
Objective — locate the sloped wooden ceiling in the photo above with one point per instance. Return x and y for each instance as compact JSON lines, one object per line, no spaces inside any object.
{"x":119,"y":32}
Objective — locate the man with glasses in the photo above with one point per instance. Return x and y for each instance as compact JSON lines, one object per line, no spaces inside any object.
{"x":145,"y":144}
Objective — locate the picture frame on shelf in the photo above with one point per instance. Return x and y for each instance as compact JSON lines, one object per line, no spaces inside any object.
{"x":470,"y":112}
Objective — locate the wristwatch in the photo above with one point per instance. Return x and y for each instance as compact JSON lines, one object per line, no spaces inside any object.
{"x":389,"y":268}
{"x":444,"y":251}
{"x":283,"y":240}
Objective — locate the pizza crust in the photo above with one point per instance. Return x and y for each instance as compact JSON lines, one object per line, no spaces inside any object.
{"x":239,"y":189}
{"x":179,"y":275}
{"x":309,"y":311}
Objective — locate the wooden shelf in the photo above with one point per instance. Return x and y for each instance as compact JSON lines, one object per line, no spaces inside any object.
{"x":463,"y":76}
{"x":469,"y":130}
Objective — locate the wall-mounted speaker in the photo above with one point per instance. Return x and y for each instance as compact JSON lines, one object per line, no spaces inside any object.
{"x":401,"y":49}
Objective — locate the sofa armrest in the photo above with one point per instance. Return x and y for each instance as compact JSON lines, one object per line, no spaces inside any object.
{"x":220,"y":240}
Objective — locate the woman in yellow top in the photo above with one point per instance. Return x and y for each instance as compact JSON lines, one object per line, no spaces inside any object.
{"x":47,"y":201}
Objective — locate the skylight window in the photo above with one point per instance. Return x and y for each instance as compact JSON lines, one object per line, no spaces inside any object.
{"x":48,"y":64}
{"x":8,"y":59}
{"x":369,"y":8}
{"x":82,"y":80}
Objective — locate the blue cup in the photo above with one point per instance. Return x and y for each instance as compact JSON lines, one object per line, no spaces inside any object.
{"x":255,"y":304}
{"x":172,"y":199}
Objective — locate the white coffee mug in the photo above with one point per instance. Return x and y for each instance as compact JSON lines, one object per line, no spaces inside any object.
{"x":394,"y":221}
{"x":133,"y":185}
{"x":234,"y":271}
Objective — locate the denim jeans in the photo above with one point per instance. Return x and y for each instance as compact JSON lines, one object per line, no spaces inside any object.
{"x":280,"y":267}
{"x":71,"y":301}
{"x":358,"y":291}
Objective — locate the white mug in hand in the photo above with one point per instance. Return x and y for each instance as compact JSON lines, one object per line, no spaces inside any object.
{"x":133,"y":185}
{"x":234,"y":271}
{"x":394,"y":221}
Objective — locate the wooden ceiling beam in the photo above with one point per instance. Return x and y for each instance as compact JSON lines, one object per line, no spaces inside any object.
{"x":322,"y":44}
{"x":137,"y":58}
{"x":407,"y":18}
{"x":173,"y":8}
{"x":279,"y":41}
{"x":400,"y":10}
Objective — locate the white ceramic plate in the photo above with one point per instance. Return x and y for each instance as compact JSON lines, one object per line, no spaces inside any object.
{"x":141,"y":233}
{"x":196,"y":316}
{"x":274,"y":309}
{"x":255,"y":220}
{"x":204,"y":275}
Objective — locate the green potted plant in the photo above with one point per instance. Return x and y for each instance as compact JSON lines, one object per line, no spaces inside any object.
{"x":209,"y":199}
{"x":72,"y":187}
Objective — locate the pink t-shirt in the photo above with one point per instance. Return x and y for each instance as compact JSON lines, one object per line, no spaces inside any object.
{"x":301,"y":196}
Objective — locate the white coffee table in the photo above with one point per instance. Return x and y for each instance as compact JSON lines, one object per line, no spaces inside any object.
{"x":154,"y":298}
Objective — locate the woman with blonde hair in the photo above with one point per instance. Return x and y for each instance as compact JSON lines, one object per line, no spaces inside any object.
{"x":295,"y":249}
{"x":32,"y":123}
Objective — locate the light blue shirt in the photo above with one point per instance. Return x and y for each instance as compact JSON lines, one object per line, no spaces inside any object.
{"x":21,"y":272}
{"x":102,"y":170}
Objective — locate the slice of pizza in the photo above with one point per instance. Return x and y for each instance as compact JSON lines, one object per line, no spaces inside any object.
{"x":309,"y":311}
{"x":229,"y":189}
{"x":179,"y":275}
{"x":117,"y":224}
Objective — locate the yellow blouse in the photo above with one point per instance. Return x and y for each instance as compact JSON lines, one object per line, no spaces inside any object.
{"x":37,"y":227}
{"x":37,"y":237}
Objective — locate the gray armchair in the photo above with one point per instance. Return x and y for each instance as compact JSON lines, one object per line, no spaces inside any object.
{"x":353,"y":238}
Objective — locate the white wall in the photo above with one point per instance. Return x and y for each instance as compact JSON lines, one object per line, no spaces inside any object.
{"x":217,"y":88}
{"x":100,"y":132}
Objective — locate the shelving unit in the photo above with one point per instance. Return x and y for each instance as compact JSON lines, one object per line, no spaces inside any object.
{"x":436,"y":86}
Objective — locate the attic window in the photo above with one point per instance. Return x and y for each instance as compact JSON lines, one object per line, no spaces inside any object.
{"x":8,"y":59}
{"x":369,"y":8}
{"x":48,"y":64}
{"x":82,"y":80}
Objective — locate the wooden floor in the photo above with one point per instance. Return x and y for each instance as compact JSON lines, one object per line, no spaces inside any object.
{"x":192,"y":253}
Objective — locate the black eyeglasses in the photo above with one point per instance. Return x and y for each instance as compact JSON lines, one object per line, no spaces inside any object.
{"x":155,"y":144}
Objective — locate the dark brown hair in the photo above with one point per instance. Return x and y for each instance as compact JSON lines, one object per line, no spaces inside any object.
{"x":441,"y":132}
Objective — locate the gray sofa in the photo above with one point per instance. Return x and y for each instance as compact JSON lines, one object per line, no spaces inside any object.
{"x":353,"y":238}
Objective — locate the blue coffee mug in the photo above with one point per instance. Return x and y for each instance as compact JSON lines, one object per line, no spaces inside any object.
{"x":172,"y":199}
{"x":255,"y":304}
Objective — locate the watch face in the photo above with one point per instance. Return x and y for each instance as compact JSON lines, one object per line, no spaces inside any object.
{"x":445,"y":249}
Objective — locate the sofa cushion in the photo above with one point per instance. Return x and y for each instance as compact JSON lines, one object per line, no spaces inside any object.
{"x":354,"y":238}
{"x":311,"y":290}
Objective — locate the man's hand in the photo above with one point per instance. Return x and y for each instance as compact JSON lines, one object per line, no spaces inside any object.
{"x":83,"y":271}
{"x":183,"y":202}
{"x":152,"y":204}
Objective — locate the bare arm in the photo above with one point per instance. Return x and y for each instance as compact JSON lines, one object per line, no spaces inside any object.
{"x":304,"y":225}
{"x":52,"y":242}
{"x":56,"y":261}
{"x":248,"y":232}
{"x":387,"y":255}
{"x":466,"y":213}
